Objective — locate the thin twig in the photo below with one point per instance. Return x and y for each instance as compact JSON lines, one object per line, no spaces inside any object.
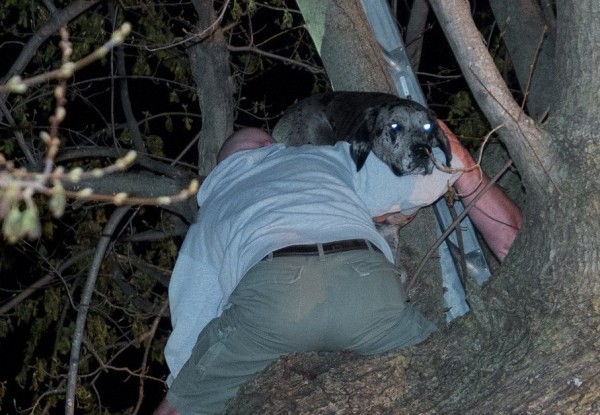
{"x":477,"y":165}
{"x":518,"y":125}
{"x":42,"y":282}
{"x":196,"y":37}
{"x":532,"y":67}
{"x":16,"y":84}
{"x":152,"y":333}
{"x":292,"y":62}
{"x":58,"y":20}
{"x":454,"y":224}
{"x":132,"y":123}
{"x":18,"y":134}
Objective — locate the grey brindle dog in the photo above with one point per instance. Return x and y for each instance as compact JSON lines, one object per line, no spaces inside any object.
{"x":398,"y":131}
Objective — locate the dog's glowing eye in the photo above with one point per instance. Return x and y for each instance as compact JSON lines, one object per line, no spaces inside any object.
{"x":395,"y":127}
{"x":427,"y":127}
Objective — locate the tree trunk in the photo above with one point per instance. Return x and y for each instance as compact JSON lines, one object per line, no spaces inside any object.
{"x":349,"y":51}
{"x":354,"y":61}
{"x":209,"y":59}
{"x":530,"y":42}
{"x":530,"y":343}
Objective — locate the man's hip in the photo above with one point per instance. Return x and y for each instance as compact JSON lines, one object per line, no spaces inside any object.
{"x":348,"y":300}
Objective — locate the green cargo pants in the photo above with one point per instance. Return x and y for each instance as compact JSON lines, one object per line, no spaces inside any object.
{"x":351,"y":300}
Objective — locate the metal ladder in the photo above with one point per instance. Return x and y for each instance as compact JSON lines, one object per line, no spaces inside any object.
{"x":407,"y":85}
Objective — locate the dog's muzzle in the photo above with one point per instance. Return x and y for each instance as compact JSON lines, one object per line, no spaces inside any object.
{"x":420,"y":161}
{"x":421,"y":151}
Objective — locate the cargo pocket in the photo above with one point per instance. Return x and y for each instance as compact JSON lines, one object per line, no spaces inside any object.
{"x":214,"y":351}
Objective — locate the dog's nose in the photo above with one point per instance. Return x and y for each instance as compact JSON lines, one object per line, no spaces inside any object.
{"x":421,"y":150}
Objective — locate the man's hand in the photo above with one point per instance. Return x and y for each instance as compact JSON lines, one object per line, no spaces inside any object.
{"x":396,"y":219}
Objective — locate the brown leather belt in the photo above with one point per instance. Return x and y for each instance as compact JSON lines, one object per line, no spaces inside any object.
{"x":328,"y":248}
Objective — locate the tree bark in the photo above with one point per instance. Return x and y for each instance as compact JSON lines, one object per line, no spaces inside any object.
{"x":349,"y":51}
{"x":210,"y":67}
{"x":530,"y":42}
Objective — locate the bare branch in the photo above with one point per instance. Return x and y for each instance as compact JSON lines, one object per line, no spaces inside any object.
{"x":18,"y":134}
{"x":18,"y":85}
{"x":523,"y":138}
{"x":308,"y":67}
{"x":148,"y":340}
{"x":42,"y":282}
{"x":132,"y":124}
{"x":84,"y":305}
{"x":145,"y":161}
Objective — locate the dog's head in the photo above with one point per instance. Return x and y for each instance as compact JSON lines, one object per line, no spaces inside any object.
{"x":401,"y":133}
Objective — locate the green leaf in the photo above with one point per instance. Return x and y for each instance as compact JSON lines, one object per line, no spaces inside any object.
{"x":187,"y":122}
{"x":287,"y":21}
{"x":7,"y":146}
{"x":52,"y":303}
{"x":236,"y":11}
{"x":169,"y":124}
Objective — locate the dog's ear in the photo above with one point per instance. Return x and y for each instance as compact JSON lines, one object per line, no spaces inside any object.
{"x":440,"y":138}
{"x":361,"y":138}
{"x":443,"y":143}
{"x":359,"y":152}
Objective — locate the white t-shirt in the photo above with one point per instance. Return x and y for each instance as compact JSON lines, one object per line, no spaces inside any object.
{"x":258,"y":201}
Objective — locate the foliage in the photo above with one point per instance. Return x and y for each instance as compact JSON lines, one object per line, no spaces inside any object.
{"x":126,"y":330}
{"x":464,"y":118}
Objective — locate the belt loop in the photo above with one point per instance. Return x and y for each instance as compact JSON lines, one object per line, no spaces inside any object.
{"x":369,"y":246}
{"x":321,"y":252}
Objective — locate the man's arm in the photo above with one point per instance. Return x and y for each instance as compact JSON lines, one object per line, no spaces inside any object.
{"x":496,"y":217}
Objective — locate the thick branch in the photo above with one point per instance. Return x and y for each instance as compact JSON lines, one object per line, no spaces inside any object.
{"x":351,"y":55}
{"x":80,"y":152}
{"x":210,"y":68}
{"x":526,"y":142}
{"x":140,"y":184}
{"x":168,"y":181}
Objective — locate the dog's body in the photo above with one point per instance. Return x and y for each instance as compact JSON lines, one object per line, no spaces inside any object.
{"x":400,"y":132}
